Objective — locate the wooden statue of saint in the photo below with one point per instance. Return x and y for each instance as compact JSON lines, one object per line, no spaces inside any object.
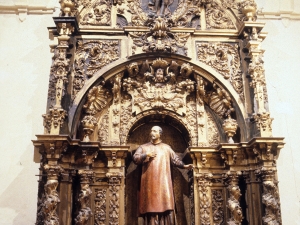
{"x":156,"y":198}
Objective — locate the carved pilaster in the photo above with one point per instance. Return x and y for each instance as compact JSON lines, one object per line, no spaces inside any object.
{"x":264,"y":123}
{"x":115,"y":111}
{"x":114,"y":198}
{"x":233,"y":204}
{"x":85,"y":212}
{"x":100,"y":207}
{"x":270,"y":196}
{"x":59,"y":71}
{"x":203,"y":181}
{"x":51,"y":195}
{"x":217,"y":206}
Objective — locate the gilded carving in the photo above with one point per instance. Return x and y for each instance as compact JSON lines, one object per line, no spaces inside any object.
{"x":203,"y":181}
{"x":264,"y":123}
{"x":217,"y":206}
{"x":230,"y":126}
{"x":234,"y":197}
{"x":103,"y":129}
{"x":85,"y":211}
{"x":97,"y":99}
{"x":160,"y":39}
{"x":219,"y":101}
{"x":160,"y":87}
{"x":216,"y":17}
{"x":67,"y":7}
{"x":88,"y":122}
{"x":225,"y":59}
{"x":98,"y":14}
{"x":100,"y":207}
{"x":270,"y":197}
{"x":114,"y":197}
{"x":258,"y":83}
{"x":54,"y":120}
{"x":90,"y":57}
{"x":213,"y":132}
{"x":51,"y":198}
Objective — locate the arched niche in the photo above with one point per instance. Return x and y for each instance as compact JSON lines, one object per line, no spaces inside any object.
{"x":176,"y":135}
{"x":107,"y":76}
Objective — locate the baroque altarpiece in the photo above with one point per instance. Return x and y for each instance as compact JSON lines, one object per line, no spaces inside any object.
{"x":193,"y":67}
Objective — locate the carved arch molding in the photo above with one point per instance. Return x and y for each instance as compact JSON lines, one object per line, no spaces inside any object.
{"x":193,"y":67}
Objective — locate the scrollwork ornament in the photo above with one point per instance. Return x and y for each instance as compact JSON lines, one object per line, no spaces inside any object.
{"x":159,"y":87}
{"x":114,"y":202}
{"x":264,"y":123}
{"x":217,"y":206}
{"x":216,"y":18}
{"x":100,"y":207}
{"x":90,"y":57}
{"x":54,"y":119}
{"x":225,"y":59}
{"x":203,"y":181}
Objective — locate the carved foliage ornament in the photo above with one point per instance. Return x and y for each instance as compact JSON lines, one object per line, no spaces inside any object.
{"x":100,"y":207}
{"x":225,"y":59}
{"x":217,"y":206}
{"x":204,"y":200}
{"x":217,"y":18}
{"x":245,"y":10}
{"x":90,"y":57}
{"x":159,"y":86}
{"x":160,"y":39}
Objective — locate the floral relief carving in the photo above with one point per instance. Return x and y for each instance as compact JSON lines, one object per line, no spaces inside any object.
{"x":103,"y":129}
{"x":217,"y":206}
{"x":90,"y":57}
{"x":98,"y":14}
{"x":160,"y":38}
{"x":225,"y":59}
{"x":204,"y":181}
{"x":264,"y":123}
{"x":100,"y":207}
{"x":216,"y":18}
{"x":114,"y":197}
{"x":54,"y":120}
{"x":213,"y":132}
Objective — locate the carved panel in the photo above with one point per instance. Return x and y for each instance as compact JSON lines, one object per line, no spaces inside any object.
{"x":217,"y":206}
{"x":91,"y":56}
{"x":100,"y":207}
{"x":161,"y":86}
{"x":225,"y":59}
{"x":213,"y":132}
{"x":217,"y":18}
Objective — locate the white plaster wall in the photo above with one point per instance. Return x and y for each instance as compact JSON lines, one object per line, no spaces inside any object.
{"x":25,"y":61}
{"x":282,"y":65}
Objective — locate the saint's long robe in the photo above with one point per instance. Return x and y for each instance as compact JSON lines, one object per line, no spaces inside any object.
{"x":156,"y":190}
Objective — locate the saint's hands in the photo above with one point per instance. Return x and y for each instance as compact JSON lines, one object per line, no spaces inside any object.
{"x":188,"y":166}
{"x":151,"y":154}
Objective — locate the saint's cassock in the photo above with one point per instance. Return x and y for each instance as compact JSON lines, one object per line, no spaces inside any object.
{"x":156,"y":199}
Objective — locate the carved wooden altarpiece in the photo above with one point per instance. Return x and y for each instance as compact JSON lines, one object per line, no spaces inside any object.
{"x":193,"y":67}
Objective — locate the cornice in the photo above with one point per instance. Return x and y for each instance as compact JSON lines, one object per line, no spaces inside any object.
{"x":24,"y":8}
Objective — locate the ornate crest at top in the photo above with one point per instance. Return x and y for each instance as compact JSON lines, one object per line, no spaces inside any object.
{"x":161,"y":85}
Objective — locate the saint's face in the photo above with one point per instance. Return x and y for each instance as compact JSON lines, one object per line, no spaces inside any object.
{"x":159,"y":75}
{"x":154,"y":134}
